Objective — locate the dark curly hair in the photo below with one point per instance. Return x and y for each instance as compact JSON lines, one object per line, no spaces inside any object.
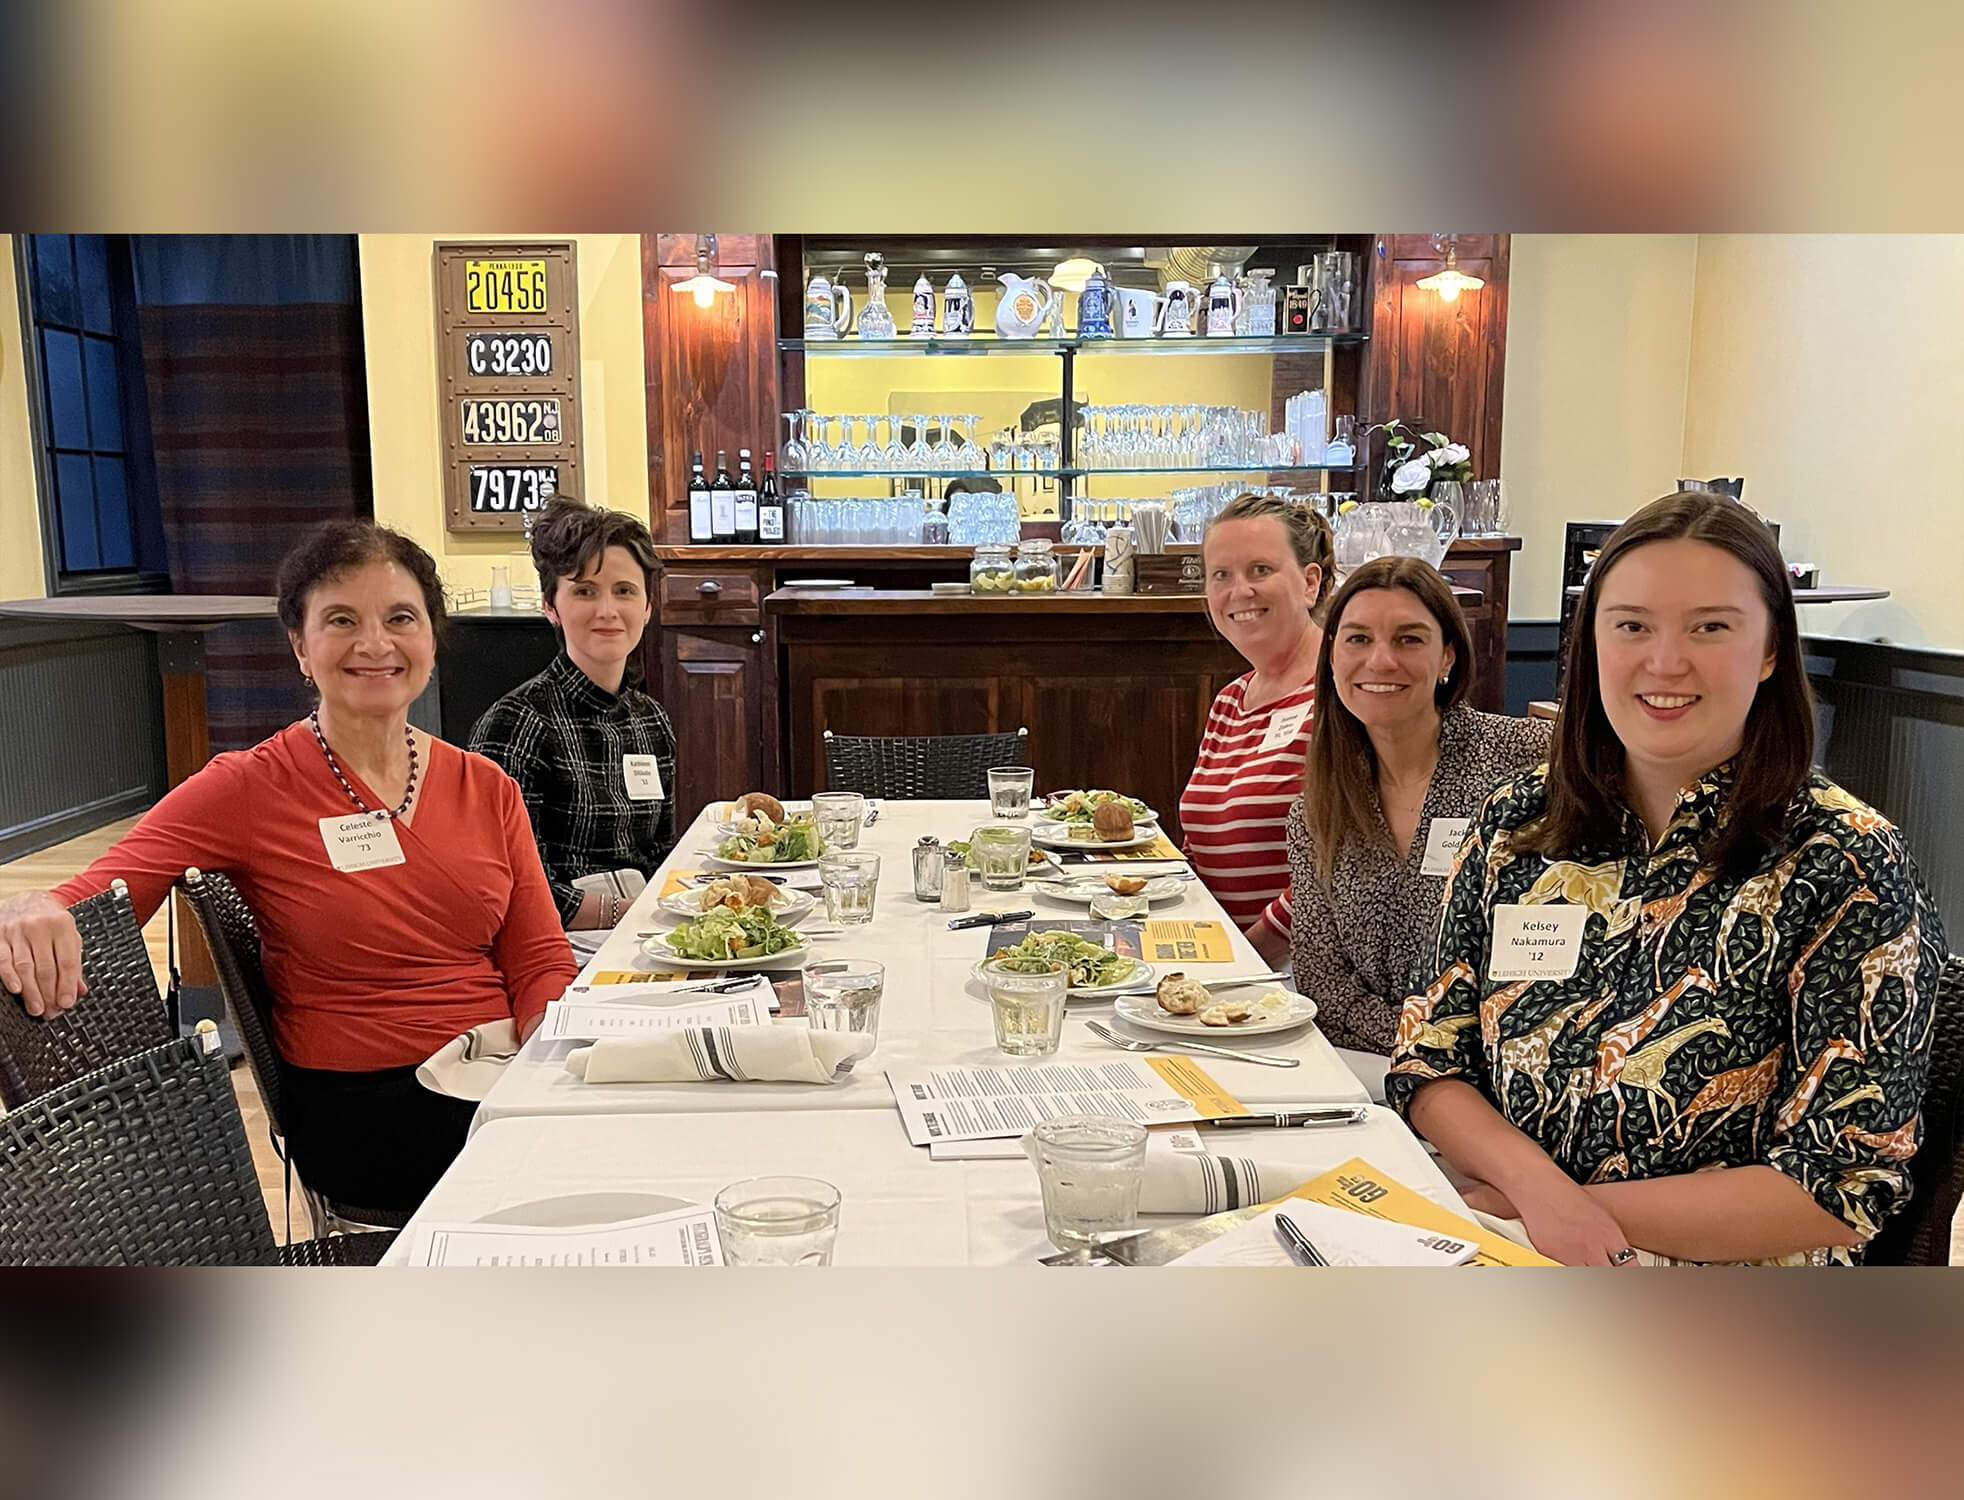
{"x":572,"y":536}
{"x":334,"y":547}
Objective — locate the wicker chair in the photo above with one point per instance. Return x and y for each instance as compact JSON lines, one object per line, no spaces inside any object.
{"x":233,"y":936}
{"x":122,"y":1012}
{"x":145,"y":1163}
{"x":1920,"y":1234}
{"x":915,"y":766}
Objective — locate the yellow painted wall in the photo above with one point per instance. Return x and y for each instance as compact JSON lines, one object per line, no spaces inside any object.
{"x":1829,"y":370}
{"x":398,"y":292}
{"x":23,"y":574}
{"x":1599,"y":331}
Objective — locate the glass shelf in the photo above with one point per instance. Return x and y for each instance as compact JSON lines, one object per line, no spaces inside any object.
{"x":1065,"y":473}
{"x":1223,"y":469}
{"x":855,"y":348}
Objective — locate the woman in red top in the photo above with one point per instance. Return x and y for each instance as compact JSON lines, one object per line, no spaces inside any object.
{"x":398,"y":890}
{"x":1268,"y":563}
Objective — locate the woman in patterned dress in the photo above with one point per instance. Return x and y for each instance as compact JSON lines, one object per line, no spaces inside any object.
{"x":1684,"y":984}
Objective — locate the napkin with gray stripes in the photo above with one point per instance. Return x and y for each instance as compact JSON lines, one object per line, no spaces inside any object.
{"x":727,"y":1054}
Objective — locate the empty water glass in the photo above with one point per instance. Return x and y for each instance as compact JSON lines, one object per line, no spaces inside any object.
{"x":1009,"y":791}
{"x":837,"y":816}
{"x":1002,"y":854}
{"x":844,"y":995}
{"x":778,"y":1221}
{"x":1090,"y":1168}
{"x":1028,"y":1009}
{"x":850,"y":882}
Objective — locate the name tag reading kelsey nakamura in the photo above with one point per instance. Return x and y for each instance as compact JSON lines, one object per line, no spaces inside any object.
{"x":361,"y":841}
{"x":1536,"y":942}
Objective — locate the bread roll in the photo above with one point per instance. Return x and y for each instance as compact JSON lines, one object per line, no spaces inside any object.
{"x":1180,"y":995}
{"x":1126,"y":885}
{"x":1226,"y":1013}
{"x":1112,"y":822}
{"x":764,"y":802}
{"x":758,"y":891}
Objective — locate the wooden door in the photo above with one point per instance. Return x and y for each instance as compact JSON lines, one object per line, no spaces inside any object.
{"x":717,"y":685}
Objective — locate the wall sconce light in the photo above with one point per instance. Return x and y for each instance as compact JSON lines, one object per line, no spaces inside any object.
{"x":705,"y":284}
{"x":1450,"y":282}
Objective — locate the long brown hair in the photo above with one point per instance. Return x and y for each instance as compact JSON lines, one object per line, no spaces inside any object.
{"x":1340,"y":774}
{"x":1310,"y":538}
{"x":1585,"y":769}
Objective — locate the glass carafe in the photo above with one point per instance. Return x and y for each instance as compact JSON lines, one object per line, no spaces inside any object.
{"x":875,"y":322}
{"x":1261,"y":304}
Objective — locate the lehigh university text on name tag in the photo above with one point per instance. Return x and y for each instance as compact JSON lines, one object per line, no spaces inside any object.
{"x":1442,"y":841}
{"x":1536,"y":942}
{"x":361,"y":841}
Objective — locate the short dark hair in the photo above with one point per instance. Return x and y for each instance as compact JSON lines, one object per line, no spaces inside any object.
{"x":571,"y":536}
{"x":1585,"y":764}
{"x":335,"y":547}
{"x":1340,"y":772}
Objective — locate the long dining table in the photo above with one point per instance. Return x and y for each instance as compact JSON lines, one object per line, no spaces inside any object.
{"x":542,"y":1133}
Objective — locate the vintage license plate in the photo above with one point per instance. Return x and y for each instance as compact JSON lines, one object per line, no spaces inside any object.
{"x":493,"y":354}
{"x":505,"y":286}
{"x":503,"y":488}
{"x":510,"y":421}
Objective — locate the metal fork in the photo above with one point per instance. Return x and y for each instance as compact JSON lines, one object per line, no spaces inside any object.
{"x":1128,"y":1044}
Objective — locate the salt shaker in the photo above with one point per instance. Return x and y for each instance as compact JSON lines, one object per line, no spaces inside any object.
{"x":954,"y":881}
{"x":927,"y":869}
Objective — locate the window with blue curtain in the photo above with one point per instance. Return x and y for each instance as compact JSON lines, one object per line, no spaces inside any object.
{"x":98,"y":501}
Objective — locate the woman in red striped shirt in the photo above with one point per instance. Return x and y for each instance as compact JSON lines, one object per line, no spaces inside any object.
{"x":1268,"y":563}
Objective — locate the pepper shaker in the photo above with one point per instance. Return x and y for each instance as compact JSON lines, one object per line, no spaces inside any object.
{"x":954,"y":881}
{"x":927,"y":869}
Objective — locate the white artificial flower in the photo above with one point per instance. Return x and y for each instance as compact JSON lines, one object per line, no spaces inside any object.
{"x":1452,"y":453}
{"x":1408,"y":477}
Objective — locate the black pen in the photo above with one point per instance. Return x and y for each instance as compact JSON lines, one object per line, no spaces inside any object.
{"x":989,"y":919}
{"x":1336,"y":1114}
{"x":1300,"y":1249}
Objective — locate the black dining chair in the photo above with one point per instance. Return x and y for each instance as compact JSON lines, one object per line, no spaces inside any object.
{"x":1920,"y":1235}
{"x":145,"y":1163}
{"x":917,"y":766}
{"x":232,"y":933}
{"x":121,"y":1013}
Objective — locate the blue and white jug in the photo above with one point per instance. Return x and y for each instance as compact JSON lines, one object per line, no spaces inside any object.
{"x":1094,"y":307}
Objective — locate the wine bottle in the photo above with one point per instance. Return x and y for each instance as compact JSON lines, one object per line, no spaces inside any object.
{"x":702,"y":529}
{"x":722,"y":500}
{"x":746,"y":501}
{"x":770,"y":506}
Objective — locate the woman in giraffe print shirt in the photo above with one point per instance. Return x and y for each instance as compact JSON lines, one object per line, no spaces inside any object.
{"x":1726,"y":1058}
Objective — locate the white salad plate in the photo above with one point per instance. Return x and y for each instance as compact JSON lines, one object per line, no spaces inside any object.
{"x":1140,"y":973}
{"x":1142,"y":1010}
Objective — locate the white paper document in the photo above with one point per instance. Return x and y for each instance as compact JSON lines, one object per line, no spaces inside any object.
{"x":1344,"y":1238}
{"x":968,"y":1104}
{"x":681,"y":1237}
{"x":592,"y":1020}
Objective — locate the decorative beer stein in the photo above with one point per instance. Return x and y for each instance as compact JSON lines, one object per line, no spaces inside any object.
{"x":828,"y":310}
{"x":922,"y":327}
{"x":1094,"y":307}
{"x":1175,"y":320}
{"x":1224,"y":304}
{"x":957,"y":308}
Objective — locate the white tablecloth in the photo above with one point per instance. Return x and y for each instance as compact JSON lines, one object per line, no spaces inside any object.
{"x":933,"y":1013}
{"x":899,"y":1207}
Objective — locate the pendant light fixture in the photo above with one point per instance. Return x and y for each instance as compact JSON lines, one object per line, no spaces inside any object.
{"x":1451,"y":281}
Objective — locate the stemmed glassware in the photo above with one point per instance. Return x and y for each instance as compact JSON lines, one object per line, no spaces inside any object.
{"x":894,"y":455}
{"x":970,"y":455}
{"x":946,"y":456}
{"x":794,"y":454}
{"x":919,"y":459}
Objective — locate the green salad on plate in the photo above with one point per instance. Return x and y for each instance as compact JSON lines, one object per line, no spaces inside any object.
{"x":734,"y":932}
{"x":1090,"y":965}
{"x":783,"y":843}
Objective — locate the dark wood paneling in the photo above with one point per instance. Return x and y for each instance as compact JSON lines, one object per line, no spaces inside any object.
{"x":715,"y":692}
{"x":713,"y":597}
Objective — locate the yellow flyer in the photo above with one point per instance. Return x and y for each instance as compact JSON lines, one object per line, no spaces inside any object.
{"x":648,"y":976}
{"x":1160,"y":848}
{"x":1173,"y":942}
{"x":678,"y":880}
{"x":1191,"y":1082}
{"x":1362,"y":1188}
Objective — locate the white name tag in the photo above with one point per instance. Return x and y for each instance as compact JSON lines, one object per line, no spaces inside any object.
{"x":1442,"y":841}
{"x":643,"y":778}
{"x":1536,"y":942}
{"x":361,"y":841}
{"x":1284,"y":727}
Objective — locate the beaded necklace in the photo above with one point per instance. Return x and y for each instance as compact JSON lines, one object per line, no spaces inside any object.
{"x":409,"y":793}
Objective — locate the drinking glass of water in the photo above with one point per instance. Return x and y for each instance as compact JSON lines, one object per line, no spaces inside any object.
{"x":850,"y":880}
{"x":837,"y":817}
{"x":1002,"y":855}
{"x":1028,"y":1009}
{"x":844,"y":995}
{"x":779,"y":1221}
{"x":1009,"y":791}
{"x":1090,"y":1167}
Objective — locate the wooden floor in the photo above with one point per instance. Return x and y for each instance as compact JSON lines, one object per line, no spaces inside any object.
{"x":37,"y":872}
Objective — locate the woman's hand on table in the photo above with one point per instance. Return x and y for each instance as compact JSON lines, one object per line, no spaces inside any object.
{"x":1567,"y":1224}
{"x":40,"y":953}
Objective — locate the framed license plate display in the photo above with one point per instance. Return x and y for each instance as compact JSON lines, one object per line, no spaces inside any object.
{"x":508,"y":368}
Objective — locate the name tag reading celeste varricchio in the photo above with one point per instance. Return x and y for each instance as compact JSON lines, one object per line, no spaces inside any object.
{"x":643,"y":776}
{"x":361,"y":841}
{"x":1536,"y":942}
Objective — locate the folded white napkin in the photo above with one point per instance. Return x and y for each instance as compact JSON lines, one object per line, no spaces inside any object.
{"x":763,"y":1054}
{"x":466,"y":1066}
{"x":1188,"y":1182}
